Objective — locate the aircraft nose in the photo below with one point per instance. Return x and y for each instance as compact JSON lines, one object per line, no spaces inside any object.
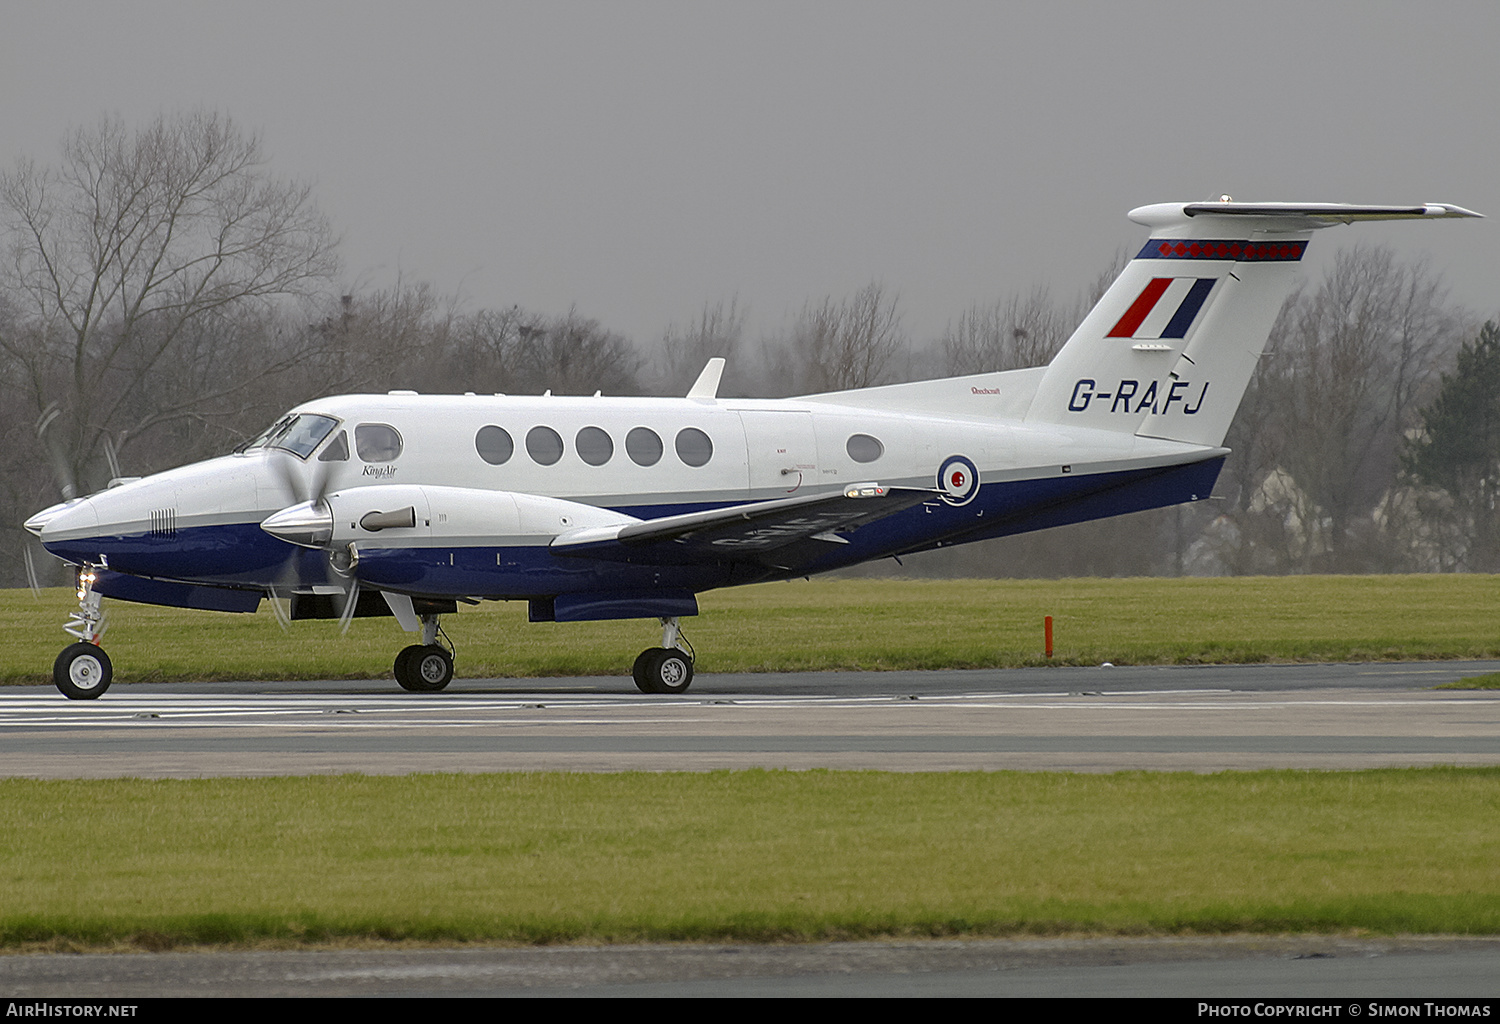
{"x":38,"y":522}
{"x":69,"y":520}
{"x":309,"y":524}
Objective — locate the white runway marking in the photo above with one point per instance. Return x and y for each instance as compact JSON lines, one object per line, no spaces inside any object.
{"x":386,"y":711}
{"x":936,"y":725}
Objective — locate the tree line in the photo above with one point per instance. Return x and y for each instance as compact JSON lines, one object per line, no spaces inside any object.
{"x":164,"y":295}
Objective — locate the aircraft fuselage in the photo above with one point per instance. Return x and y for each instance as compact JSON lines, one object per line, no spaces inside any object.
{"x":605,"y":459}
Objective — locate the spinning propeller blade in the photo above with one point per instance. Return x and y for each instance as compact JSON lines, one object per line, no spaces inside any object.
{"x":31,"y":578}
{"x":307,"y":483}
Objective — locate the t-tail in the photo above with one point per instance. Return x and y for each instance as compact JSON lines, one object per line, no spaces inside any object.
{"x":1169,"y":350}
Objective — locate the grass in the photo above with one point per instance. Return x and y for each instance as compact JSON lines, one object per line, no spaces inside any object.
{"x":744,"y":856}
{"x":827,"y":624}
{"x":1489,"y":681}
{"x":769,"y":856}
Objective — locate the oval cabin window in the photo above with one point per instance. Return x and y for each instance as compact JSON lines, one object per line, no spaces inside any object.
{"x":644,"y":446}
{"x":594,"y":446}
{"x":544,"y":445}
{"x":494,"y":445}
{"x":694,"y":447}
{"x":864,"y":448}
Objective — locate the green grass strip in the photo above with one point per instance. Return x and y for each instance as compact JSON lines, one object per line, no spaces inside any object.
{"x":826,"y":624}
{"x":1489,"y":681}
{"x":745,"y":856}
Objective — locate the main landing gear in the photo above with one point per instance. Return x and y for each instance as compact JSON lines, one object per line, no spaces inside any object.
{"x":668,"y":668}
{"x":426,"y":667}
{"x":82,"y":671}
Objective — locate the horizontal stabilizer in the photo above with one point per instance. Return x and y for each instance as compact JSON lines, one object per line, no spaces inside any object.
{"x":1291,"y":216}
{"x":1341,"y":213}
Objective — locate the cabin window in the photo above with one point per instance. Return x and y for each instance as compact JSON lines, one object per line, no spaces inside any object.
{"x":864,"y":448}
{"x":544,"y":445}
{"x":694,"y":446}
{"x":377,"y":442}
{"x":337,"y":450}
{"x":644,"y":446}
{"x":494,"y":445}
{"x":594,"y":446}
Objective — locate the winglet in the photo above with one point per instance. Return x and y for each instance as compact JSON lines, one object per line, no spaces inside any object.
{"x":707,"y":384}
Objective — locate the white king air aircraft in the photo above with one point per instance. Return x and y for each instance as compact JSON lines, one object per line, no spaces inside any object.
{"x":611,"y":508}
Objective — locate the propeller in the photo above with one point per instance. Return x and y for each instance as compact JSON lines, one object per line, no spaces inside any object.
{"x":62,"y":475}
{"x":31,"y":577}
{"x":61,"y":471}
{"x":307,"y":484}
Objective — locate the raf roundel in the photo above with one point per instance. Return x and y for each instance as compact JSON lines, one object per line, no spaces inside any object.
{"x":958,"y":479}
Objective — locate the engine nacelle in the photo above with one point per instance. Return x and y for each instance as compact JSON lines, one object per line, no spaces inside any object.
{"x":410,"y":515}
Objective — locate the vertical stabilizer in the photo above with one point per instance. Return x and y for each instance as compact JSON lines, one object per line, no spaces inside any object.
{"x":1170,"y":348}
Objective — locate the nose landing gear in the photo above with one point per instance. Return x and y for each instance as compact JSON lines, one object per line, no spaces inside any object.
{"x":668,"y":668}
{"x":83,"y":671}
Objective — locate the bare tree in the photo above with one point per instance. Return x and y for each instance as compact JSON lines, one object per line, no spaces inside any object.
{"x":1023,"y":330}
{"x":1366,"y":346}
{"x":1318,"y":439}
{"x":519,"y":352}
{"x":1020,"y":330}
{"x":128,"y":253}
{"x":717,"y":332}
{"x":835,"y":346}
{"x":397,"y":337}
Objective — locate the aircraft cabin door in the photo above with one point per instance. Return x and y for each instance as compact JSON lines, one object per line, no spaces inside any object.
{"x":783,"y":453}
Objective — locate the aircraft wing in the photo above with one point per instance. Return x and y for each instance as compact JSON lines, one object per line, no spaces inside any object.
{"x":754,"y":532}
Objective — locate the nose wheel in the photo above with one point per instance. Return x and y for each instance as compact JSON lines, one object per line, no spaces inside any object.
{"x":82,"y":671}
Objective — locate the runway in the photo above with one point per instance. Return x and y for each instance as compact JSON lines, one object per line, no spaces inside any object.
{"x":1205,"y":718}
{"x":1331,"y":968}
{"x":1078,"y":719}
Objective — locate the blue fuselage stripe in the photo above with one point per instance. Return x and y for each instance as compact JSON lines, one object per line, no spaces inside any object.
{"x":243,"y":555}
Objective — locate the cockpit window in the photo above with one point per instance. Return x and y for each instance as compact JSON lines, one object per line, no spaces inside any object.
{"x":337,"y":450}
{"x":297,"y":434}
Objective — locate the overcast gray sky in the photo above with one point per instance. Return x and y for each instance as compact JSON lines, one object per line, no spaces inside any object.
{"x":637,"y":159}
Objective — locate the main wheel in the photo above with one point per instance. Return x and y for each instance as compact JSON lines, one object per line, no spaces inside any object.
{"x":82,"y":671}
{"x":403,"y":667}
{"x":429,"y":669}
{"x":424,"y":669}
{"x":662,"y":670}
{"x":641,"y":670}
